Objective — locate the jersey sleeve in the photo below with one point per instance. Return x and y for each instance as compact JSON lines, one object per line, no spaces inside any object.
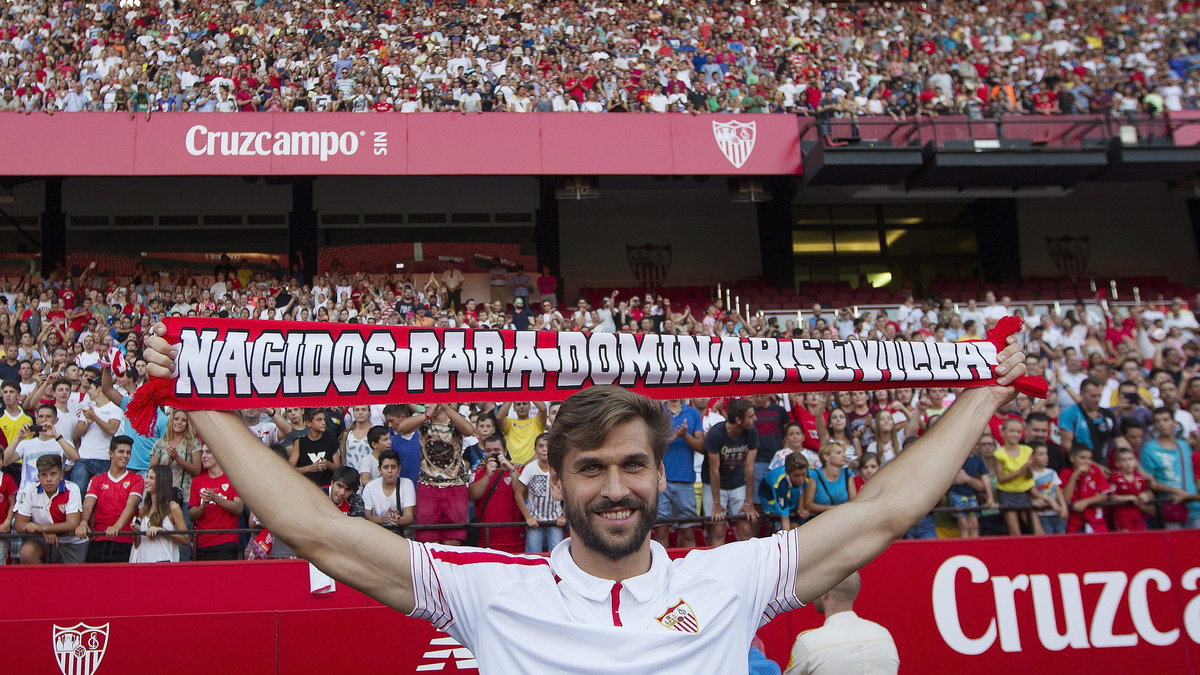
{"x":24,"y":508}
{"x":452,"y":585}
{"x":74,"y":503}
{"x":760,"y":571}
{"x":138,"y":486}
{"x":408,"y":494}
{"x":527,"y":473}
{"x":93,"y":490}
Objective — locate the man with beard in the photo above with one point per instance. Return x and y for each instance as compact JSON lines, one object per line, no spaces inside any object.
{"x":608,"y":597}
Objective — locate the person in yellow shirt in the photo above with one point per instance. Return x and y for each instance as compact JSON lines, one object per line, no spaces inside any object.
{"x":521,"y":432}
{"x":1014,"y":476}
{"x":14,"y":418}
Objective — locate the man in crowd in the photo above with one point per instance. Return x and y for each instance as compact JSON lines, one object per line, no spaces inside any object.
{"x":99,"y":421}
{"x":36,"y":440}
{"x":443,"y":479}
{"x":1086,"y":423}
{"x":521,"y":431}
{"x":678,"y":500}
{"x":109,"y":505}
{"x":730,"y":449}
{"x":846,"y":643}
{"x":494,"y":497}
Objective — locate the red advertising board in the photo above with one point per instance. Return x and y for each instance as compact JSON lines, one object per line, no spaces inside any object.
{"x":1099,"y":603}
{"x":316,"y":144}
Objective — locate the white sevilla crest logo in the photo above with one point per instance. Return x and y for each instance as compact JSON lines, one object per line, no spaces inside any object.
{"x":736,"y":140}
{"x":79,"y":649}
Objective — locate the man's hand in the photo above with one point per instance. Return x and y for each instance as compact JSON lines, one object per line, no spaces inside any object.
{"x":681,"y":430}
{"x":31,"y":528}
{"x":718,"y":515}
{"x":560,"y":521}
{"x":159,"y":354}
{"x":750,"y":512}
{"x":530,"y":521}
{"x":81,"y":531}
{"x":1011,"y":367}
{"x":961,"y":478}
{"x":111,"y":531}
{"x":50,"y":538}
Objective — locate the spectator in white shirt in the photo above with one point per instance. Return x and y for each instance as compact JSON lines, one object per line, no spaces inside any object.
{"x":846,"y":643}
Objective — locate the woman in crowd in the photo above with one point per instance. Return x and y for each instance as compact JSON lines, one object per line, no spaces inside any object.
{"x":158,"y":516}
{"x":178,"y":451}
{"x":831,"y":484}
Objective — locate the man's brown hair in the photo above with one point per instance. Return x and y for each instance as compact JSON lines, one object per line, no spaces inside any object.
{"x":586,"y":420}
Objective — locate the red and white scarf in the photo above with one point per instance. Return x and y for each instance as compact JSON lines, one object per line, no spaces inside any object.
{"x":229,"y":364}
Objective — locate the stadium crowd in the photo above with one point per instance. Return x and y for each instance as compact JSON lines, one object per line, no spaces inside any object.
{"x":900,"y":59}
{"x":1109,"y":448}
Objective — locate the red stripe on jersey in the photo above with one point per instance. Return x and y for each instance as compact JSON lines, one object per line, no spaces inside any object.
{"x":473,"y":557}
{"x":616,"y":604}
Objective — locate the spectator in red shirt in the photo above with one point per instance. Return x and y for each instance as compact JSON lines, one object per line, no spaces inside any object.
{"x":110,"y":503}
{"x":495,"y":500}
{"x":1085,"y":486}
{"x":214,"y":505}
{"x":1132,"y":488}
{"x":8,"y":495}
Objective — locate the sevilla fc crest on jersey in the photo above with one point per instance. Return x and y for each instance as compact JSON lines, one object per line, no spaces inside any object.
{"x":79,"y":649}
{"x":736,"y":140}
{"x":680,"y":617}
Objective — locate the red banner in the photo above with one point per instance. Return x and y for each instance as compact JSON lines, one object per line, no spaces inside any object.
{"x":1088,"y":603}
{"x":225,"y":364}
{"x":265,"y":144}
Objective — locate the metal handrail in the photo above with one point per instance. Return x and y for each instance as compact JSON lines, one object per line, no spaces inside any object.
{"x":193,"y":533}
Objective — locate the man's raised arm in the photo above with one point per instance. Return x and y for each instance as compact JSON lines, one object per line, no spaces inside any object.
{"x":850,"y":535}
{"x":351,"y":550}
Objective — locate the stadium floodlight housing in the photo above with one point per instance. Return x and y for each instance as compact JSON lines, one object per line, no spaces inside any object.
{"x":748,"y":190}
{"x":578,"y":187}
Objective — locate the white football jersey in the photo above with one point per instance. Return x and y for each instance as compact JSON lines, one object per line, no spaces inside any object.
{"x":526,"y":613}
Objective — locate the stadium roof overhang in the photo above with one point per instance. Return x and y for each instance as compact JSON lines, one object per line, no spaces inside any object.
{"x":967,"y":154}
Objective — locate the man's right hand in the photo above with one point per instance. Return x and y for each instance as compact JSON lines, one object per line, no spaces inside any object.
{"x":159,"y":354}
{"x":81,"y":531}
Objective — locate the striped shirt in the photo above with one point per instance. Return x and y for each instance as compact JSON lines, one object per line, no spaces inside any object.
{"x":542,"y":505}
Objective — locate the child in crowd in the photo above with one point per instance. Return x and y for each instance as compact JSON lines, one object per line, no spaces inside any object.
{"x":1015,"y":475}
{"x":390,"y":499}
{"x":1085,"y":487}
{"x":793,"y":438}
{"x":868,"y":465}
{"x":1047,"y":492}
{"x":343,"y":491}
{"x":1132,"y":489}
{"x":379,"y":439}
{"x":782,"y":490}
{"x":972,"y":479}
{"x":532,"y":493}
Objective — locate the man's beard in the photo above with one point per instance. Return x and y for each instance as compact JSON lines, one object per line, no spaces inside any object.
{"x":583,"y":526}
